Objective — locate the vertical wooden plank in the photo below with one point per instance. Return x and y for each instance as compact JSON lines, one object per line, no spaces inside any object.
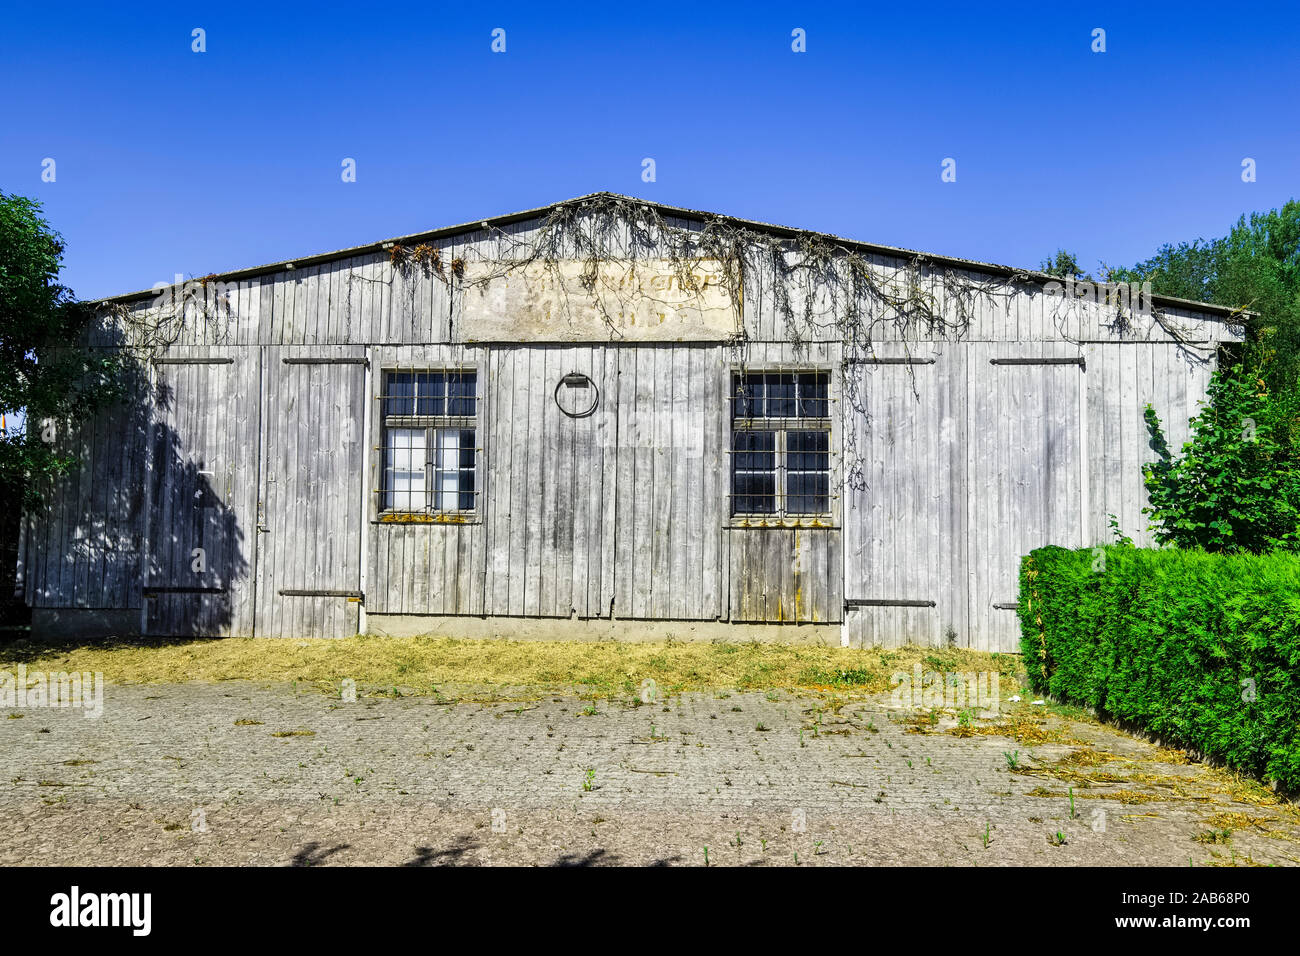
{"x":933,"y":502}
{"x":1150,"y":391}
{"x":660,"y":407}
{"x":519,"y":478}
{"x":537,"y":486}
{"x":681,"y":528}
{"x":474,"y":592}
{"x":715,"y":477}
{"x":957,"y":579}
{"x":612,"y":456}
{"x":557,"y":476}
{"x":978,"y":499}
{"x":499,"y":480}
{"x":690,"y":484}
{"x":640,"y":483}
{"x":1131,"y":436}
{"x":584,"y":500}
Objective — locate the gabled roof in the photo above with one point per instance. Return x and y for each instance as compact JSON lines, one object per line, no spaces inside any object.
{"x":784,"y":232}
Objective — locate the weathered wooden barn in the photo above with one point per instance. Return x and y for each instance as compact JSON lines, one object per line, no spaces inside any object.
{"x":608,"y":409}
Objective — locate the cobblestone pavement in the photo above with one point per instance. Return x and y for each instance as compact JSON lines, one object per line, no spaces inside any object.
{"x":237,"y":773}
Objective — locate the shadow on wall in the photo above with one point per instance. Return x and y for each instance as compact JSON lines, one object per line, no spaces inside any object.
{"x":142,"y":518}
{"x":196,"y":561}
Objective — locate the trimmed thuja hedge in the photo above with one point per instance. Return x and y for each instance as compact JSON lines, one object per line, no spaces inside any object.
{"x":1202,"y":650}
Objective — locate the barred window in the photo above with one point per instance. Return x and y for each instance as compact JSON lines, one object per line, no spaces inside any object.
{"x":430,"y":442}
{"x":780,"y":443}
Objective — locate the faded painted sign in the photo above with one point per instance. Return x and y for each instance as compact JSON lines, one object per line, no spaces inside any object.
{"x":568,"y":301}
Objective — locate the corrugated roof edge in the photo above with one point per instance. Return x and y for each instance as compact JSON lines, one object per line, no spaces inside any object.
{"x":681,"y":213}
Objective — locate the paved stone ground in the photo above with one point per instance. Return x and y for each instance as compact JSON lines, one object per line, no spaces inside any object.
{"x":237,"y":773}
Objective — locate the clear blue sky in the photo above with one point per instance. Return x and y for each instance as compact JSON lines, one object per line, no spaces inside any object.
{"x":172,"y":161}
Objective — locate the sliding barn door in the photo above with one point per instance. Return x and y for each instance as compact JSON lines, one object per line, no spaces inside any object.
{"x":1025,"y":474}
{"x":202,"y":474}
{"x":905,"y":511}
{"x":309,"y":532}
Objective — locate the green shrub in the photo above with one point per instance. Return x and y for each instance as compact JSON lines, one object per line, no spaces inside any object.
{"x":1201,"y":649}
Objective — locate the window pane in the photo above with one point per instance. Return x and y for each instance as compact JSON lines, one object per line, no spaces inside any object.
{"x":399,"y":392}
{"x":460,"y":393}
{"x":753,"y":472}
{"x":807,"y":478}
{"x":780,"y":396}
{"x":807,"y":493}
{"x":747,"y":396}
{"x":447,"y":479}
{"x":813,"y":402}
{"x":467,"y":469}
{"x":404,"y":471}
{"x":432,"y":388}
{"x":755,"y":494}
{"x":808,"y":451}
{"x":467,"y":491}
{"x":754,"y":451}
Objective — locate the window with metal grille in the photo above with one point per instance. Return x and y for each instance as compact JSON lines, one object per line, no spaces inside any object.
{"x":780,"y":443}
{"x":430,"y":442}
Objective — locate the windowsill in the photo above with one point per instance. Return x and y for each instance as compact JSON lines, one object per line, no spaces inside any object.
{"x":404,"y":518}
{"x":823,"y":522}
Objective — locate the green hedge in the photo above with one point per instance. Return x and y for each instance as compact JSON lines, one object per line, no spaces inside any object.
{"x":1165,"y":638}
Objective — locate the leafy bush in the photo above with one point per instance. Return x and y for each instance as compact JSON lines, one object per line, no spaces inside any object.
{"x":47,"y":369}
{"x":1236,"y":486}
{"x":1201,"y":649}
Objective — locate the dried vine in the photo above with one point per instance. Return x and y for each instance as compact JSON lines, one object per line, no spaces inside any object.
{"x":148,"y":330}
{"x":823,"y":290}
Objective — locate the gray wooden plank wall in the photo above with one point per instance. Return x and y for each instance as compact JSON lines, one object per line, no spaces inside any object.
{"x":624,"y":512}
{"x":998,"y":460}
{"x":84,"y":549}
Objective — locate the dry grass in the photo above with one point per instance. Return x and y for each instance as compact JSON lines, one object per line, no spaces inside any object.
{"x":1088,"y":757}
{"x":1125,"y":796}
{"x":1020,"y":726}
{"x":420,"y":665}
{"x":1228,"y":821}
{"x":1077,"y":778}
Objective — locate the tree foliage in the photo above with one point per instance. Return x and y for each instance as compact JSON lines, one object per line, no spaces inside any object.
{"x":1236,"y":486}
{"x":1255,"y":267}
{"x":49,"y":376}
{"x":1064,"y":265}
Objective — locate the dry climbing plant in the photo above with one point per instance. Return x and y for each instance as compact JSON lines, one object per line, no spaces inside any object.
{"x":821,"y":289}
{"x":148,"y":329}
{"x":1117,"y":306}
